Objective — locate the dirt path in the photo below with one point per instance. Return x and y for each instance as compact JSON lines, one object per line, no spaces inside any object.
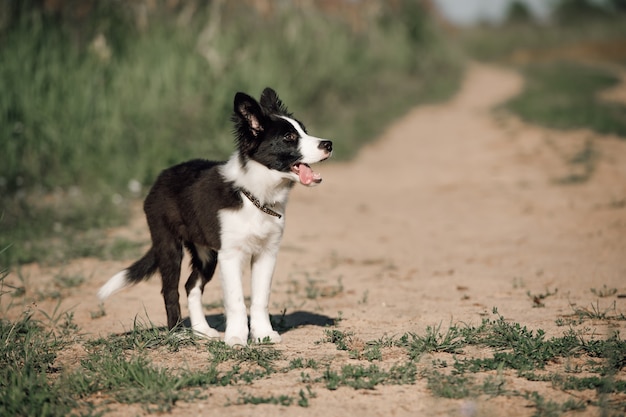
{"x":454,"y":211}
{"x":461,"y":207}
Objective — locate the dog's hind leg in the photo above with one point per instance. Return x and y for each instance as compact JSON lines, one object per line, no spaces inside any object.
{"x":203,"y":262}
{"x":169,"y":257}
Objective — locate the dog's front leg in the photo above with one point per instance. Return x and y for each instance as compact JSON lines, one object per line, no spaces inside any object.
{"x":234,"y":304}
{"x":262,"y":272}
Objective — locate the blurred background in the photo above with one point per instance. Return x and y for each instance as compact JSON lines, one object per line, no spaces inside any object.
{"x":96,"y":97}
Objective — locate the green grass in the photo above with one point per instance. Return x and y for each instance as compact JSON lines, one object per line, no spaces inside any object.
{"x":538,"y":299}
{"x":27,"y":354}
{"x":597,"y":312}
{"x":135,"y":380}
{"x":565,"y":65}
{"x":561,"y":85}
{"x":84,"y":126}
{"x":37,"y":379}
{"x":342,"y":340}
{"x":432,"y":341}
{"x":368,"y":377}
{"x":549,"y":408}
{"x":564,"y":95}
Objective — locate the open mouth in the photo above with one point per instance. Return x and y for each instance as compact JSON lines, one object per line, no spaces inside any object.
{"x":306,"y":174}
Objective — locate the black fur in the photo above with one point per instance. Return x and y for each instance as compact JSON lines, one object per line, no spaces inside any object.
{"x":181,"y":209}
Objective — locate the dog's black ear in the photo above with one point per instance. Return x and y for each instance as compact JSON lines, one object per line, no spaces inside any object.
{"x":248,"y":114}
{"x":272,"y":104}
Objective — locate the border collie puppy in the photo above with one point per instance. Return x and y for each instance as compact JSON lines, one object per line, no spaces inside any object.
{"x":233,"y":208}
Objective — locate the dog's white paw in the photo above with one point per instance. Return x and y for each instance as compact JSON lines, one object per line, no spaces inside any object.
{"x":270,"y":336}
{"x":234,"y":341}
{"x":236,"y":335}
{"x":206,"y":331}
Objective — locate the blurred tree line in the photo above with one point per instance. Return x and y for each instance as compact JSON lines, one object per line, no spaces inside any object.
{"x":568,"y":11}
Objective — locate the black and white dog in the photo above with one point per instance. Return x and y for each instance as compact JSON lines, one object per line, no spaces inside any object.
{"x":235,"y":208}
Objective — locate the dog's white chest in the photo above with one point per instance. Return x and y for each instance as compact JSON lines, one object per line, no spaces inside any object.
{"x":249,"y":229}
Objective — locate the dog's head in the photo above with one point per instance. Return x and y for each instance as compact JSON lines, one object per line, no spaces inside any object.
{"x":268,"y":134}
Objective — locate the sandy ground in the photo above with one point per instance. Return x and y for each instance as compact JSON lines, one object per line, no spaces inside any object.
{"x":455,"y":210}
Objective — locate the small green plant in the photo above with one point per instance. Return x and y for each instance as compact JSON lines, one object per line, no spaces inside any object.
{"x":69,"y":281}
{"x":99,"y":313}
{"x":537,"y":299}
{"x":13,"y":290}
{"x":285,"y":400}
{"x":302,"y":363}
{"x":433,"y":341}
{"x":360,"y":377}
{"x":494,"y":385}
{"x":342,"y":340}
{"x":372,"y":352}
{"x":604,"y":291}
{"x":569,"y":321}
{"x":314,"y":290}
{"x":262,"y":355}
{"x":145,"y":336}
{"x":595,"y":312}
{"x":450,"y":386}
{"x":582,"y":165}
{"x":549,"y":408}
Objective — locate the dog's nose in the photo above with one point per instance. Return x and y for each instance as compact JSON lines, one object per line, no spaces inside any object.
{"x":327,"y":145}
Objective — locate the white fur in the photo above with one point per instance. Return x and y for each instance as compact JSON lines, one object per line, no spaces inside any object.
{"x":268,"y":185}
{"x":249,"y":235}
{"x":196,"y":315}
{"x":113,"y":285}
{"x":262,"y":272}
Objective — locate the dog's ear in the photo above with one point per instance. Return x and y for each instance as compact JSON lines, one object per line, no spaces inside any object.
{"x":272,"y":104}
{"x":248,"y":114}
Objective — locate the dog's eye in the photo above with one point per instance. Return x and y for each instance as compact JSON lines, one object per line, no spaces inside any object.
{"x":291,"y":136}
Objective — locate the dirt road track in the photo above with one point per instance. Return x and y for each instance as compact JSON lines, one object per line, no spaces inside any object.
{"x":456,"y":210}
{"x":464,"y":206}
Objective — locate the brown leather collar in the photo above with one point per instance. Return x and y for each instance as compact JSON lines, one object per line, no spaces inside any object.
{"x":264,"y":208}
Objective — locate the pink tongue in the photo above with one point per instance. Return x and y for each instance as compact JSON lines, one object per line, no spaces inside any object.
{"x":306,"y":174}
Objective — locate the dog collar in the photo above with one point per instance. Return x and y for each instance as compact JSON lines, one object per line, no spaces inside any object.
{"x":264,"y":208}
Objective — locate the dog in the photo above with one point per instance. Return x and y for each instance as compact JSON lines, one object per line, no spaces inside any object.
{"x":234,"y":210}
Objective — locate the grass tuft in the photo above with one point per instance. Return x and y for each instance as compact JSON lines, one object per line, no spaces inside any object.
{"x":361,"y":377}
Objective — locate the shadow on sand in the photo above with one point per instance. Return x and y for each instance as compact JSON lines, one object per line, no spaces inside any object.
{"x":282,"y":323}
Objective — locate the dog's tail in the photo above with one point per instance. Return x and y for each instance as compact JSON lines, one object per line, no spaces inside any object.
{"x":144,"y":268}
